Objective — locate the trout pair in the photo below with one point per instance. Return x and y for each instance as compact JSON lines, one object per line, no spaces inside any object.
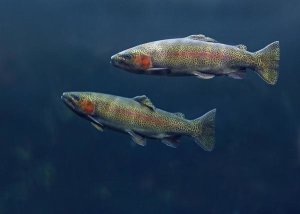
{"x":195,"y":55}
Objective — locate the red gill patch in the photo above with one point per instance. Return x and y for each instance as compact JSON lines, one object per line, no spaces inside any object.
{"x":143,"y":61}
{"x":87,"y":106}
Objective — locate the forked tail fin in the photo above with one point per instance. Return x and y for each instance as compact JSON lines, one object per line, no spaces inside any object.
{"x":205,"y":130}
{"x":267,"y":63}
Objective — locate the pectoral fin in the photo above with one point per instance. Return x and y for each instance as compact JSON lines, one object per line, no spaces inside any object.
{"x":201,"y":37}
{"x":201,"y":75}
{"x":157,"y":69}
{"x":97,"y":126}
{"x":138,"y":139}
{"x":171,"y":141}
{"x":96,"y":123}
{"x":144,"y":100}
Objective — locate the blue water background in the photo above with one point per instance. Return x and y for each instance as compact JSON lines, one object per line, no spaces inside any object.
{"x":52,"y":161}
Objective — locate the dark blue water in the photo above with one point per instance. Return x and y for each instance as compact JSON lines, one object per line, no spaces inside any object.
{"x":52,"y":161}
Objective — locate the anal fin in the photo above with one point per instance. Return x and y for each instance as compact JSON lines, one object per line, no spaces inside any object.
{"x":171,"y":141}
{"x":239,"y":74}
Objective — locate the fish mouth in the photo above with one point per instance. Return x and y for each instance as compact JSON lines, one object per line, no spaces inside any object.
{"x":113,"y":59}
{"x":119,"y":61}
{"x":68,"y":100}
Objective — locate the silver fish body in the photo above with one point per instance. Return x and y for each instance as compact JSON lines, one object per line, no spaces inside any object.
{"x":200,"y":56}
{"x":140,"y":118}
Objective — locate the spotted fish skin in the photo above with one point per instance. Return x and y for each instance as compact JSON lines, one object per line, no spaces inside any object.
{"x":140,"y":118}
{"x":200,"y":56}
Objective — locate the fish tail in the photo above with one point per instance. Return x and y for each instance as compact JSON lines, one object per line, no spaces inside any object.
{"x":267,"y":63}
{"x":204,"y":135}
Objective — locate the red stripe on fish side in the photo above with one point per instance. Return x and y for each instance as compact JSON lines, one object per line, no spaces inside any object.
{"x":123,"y":112}
{"x":209,"y":55}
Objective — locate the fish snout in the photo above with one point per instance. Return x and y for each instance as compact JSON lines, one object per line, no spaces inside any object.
{"x":70,"y":99}
{"x":123,"y":60}
{"x":64,"y":96}
{"x":117,"y":60}
{"x":114,"y":59}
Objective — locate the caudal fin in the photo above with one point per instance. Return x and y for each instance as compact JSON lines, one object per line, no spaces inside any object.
{"x":267,"y":63}
{"x":205,"y":130}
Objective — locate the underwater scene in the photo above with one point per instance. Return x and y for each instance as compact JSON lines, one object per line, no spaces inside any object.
{"x":161,"y":106}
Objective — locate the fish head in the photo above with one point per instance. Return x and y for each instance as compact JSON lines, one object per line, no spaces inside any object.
{"x":82,"y":103}
{"x":134,"y":59}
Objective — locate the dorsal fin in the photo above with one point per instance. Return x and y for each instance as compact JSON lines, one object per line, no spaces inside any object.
{"x":241,"y":46}
{"x":179,"y":114}
{"x":144,"y":100}
{"x":201,"y":37}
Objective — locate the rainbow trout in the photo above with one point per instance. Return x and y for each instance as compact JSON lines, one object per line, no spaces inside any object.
{"x":200,"y":56}
{"x":141,"y":119}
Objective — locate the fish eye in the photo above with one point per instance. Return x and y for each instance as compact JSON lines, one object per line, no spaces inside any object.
{"x":127,"y":56}
{"x":75,"y":97}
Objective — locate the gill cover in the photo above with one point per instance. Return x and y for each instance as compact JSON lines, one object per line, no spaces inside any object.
{"x":142,"y":61}
{"x":87,"y":106}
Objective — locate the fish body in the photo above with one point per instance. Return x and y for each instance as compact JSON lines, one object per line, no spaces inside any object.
{"x":140,"y":118}
{"x":200,"y":56}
